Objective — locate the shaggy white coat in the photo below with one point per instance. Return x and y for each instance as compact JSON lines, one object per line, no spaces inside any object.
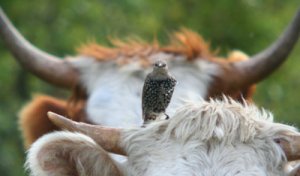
{"x":216,"y":138}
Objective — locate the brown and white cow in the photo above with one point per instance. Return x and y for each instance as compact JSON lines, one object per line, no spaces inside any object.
{"x":220,"y":138}
{"x":107,"y":82}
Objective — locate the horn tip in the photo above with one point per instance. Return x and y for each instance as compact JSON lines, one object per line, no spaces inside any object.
{"x":57,"y":119}
{"x":52,"y":116}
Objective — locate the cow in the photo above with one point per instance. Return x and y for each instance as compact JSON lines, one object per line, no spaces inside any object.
{"x":106,"y":83}
{"x":220,"y":138}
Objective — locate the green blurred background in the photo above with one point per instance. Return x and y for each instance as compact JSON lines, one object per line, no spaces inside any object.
{"x":58,"y":27}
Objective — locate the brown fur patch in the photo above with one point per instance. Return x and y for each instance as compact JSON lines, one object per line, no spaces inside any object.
{"x":236,"y":56}
{"x":76,"y":104}
{"x":34,"y":121}
{"x":218,"y":88}
{"x":247,"y":93}
{"x":185,"y":42}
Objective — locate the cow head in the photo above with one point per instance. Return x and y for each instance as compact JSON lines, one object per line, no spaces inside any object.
{"x":202,"y":138}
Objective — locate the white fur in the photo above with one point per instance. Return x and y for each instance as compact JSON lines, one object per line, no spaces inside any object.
{"x":115,"y":91}
{"x":216,"y":138}
{"x":208,"y":138}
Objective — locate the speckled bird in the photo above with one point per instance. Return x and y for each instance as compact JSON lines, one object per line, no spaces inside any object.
{"x":157,"y":92}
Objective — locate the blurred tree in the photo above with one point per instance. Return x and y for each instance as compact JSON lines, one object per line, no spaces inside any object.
{"x":58,"y":27}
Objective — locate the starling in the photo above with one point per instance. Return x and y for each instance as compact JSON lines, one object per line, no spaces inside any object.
{"x":157,"y":92}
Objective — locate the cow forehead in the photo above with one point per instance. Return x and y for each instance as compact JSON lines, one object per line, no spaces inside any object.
{"x":196,"y":160}
{"x":213,"y":138}
{"x":115,"y":91}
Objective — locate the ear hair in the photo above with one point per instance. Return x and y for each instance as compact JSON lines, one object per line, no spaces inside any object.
{"x":66,"y":153}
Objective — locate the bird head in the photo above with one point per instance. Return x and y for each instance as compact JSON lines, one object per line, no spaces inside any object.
{"x":160,"y":67}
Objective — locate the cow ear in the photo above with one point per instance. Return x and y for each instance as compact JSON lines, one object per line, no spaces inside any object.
{"x":66,"y":153}
{"x":290,"y":144}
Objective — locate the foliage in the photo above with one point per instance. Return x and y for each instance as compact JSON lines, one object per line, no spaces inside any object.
{"x":58,"y":27}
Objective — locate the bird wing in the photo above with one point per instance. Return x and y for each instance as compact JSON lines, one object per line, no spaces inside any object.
{"x":146,"y":95}
{"x":167,"y":90}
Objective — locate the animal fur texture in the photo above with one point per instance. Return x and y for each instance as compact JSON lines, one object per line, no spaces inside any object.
{"x":220,"y":138}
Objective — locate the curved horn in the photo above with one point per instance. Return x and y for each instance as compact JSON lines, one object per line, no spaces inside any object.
{"x":108,"y":138}
{"x":49,"y":68}
{"x":244,"y":73}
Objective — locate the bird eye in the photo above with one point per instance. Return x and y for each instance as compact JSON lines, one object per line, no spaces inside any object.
{"x":160,"y":64}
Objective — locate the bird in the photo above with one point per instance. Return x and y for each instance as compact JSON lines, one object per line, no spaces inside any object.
{"x":157,"y":92}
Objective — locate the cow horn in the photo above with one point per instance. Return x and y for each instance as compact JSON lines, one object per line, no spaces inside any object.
{"x":106,"y":137}
{"x":48,"y":67}
{"x":244,"y":73}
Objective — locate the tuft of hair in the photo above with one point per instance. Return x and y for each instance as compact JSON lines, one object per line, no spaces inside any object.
{"x":224,"y":120}
{"x":210,"y":138}
{"x":185,"y":42}
{"x":69,"y":154}
{"x":236,"y":56}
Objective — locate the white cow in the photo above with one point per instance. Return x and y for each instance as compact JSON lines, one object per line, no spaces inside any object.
{"x":215,"y":138}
